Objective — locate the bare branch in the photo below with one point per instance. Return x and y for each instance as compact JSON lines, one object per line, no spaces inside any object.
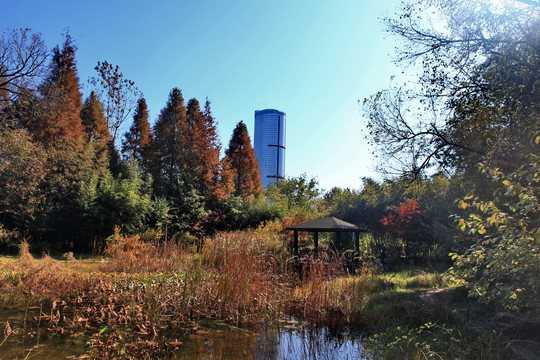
{"x":22,"y":59}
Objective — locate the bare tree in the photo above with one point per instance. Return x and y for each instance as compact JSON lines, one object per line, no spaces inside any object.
{"x":117,"y":94}
{"x":475,"y":97}
{"x":22,"y":58}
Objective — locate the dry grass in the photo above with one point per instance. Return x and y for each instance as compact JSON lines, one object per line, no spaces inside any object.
{"x":130,"y":254}
{"x":328,"y":294}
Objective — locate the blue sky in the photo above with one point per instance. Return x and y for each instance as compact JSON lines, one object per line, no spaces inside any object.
{"x":311,"y":59}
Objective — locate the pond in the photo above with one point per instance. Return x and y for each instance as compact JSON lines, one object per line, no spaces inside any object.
{"x":289,"y":339}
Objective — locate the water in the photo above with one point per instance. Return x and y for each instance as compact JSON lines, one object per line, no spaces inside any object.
{"x":288,"y":340}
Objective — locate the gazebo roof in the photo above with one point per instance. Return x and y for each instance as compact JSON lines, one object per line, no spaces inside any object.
{"x":326,"y":224}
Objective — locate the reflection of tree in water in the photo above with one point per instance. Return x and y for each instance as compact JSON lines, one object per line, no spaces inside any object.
{"x":306,"y":342}
{"x":291,"y":340}
{"x":216,"y":343}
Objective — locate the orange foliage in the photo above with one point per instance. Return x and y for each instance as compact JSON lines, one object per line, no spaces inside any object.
{"x":404,"y":219}
{"x":62,"y":100}
{"x":244,"y":164}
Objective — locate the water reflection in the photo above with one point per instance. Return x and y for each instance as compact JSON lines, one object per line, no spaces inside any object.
{"x":289,"y":341}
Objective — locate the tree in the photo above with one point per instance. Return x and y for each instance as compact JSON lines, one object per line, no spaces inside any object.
{"x":117,"y":94}
{"x":204,"y":150}
{"x":170,"y":139}
{"x":298,"y":193}
{"x":243,"y":163}
{"x":22,"y":172}
{"x":137,"y":141}
{"x":476,"y":97}
{"x":22,"y":58}
{"x":59,"y":121}
{"x":503,"y":264}
{"x":94,"y":121}
{"x":408,"y":224}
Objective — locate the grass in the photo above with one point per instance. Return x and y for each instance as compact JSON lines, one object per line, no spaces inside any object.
{"x":416,"y":279}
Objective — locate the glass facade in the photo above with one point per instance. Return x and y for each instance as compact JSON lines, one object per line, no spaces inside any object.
{"x":270,"y":144}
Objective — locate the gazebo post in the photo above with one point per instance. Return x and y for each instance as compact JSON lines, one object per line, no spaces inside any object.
{"x":357,"y":241}
{"x":295,"y":244}
{"x":316,"y":241}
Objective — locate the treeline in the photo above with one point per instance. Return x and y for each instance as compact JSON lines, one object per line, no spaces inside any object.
{"x":68,"y":175}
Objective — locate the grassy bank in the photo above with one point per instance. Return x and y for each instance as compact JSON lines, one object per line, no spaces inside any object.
{"x":140,"y":291}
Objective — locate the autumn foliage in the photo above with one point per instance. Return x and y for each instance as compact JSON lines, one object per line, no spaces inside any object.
{"x":59,"y":121}
{"x":404,"y":220}
{"x":244,"y":164}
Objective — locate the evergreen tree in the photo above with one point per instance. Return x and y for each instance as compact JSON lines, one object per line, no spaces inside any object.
{"x":94,"y":121}
{"x":139,"y":137}
{"x":60,"y":120}
{"x":168,"y":147}
{"x":244,"y":164}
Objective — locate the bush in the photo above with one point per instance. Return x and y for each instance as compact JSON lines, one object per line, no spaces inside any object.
{"x":504,"y":263}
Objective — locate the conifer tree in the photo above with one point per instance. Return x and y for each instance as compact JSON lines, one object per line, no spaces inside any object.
{"x":220,"y":172}
{"x":139,"y":137}
{"x":94,"y":121}
{"x":168,"y":147}
{"x":244,"y":164}
{"x":60,"y":120}
{"x":204,"y":149}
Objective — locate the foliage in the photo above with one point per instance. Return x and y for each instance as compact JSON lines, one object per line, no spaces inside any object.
{"x":94,"y":120}
{"x":109,"y":202}
{"x":203,"y":151}
{"x":435,"y":340}
{"x":22,"y":172}
{"x":503,"y":265}
{"x":294,"y":194}
{"x":248,"y":213}
{"x":243,"y":163}
{"x":8,"y":239}
{"x":407,"y":223}
{"x":170,"y":133}
{"x":138,"y":139}
{"x":422,"y":237}
{"x":405,"y":217}
{"x":58,"y":121}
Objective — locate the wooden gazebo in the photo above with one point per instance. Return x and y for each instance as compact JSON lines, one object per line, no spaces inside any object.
{"x":326,"y":224}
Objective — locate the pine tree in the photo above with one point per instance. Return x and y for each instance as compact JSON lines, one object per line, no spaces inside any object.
{"x":139,"y":137}
{"x":60,"y":120}
{"x":94,"y":121}
{"x":168,"y":147}
{"x":244,"y":164}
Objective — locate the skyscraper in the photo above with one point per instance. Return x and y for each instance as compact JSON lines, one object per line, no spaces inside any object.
{"x":270,"y":144}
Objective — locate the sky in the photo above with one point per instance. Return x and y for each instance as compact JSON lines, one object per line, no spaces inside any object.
{"x":314,"y":60}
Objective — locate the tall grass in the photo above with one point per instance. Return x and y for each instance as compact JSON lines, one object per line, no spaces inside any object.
{"x":328,"y":294}
{"x":130,"y":254}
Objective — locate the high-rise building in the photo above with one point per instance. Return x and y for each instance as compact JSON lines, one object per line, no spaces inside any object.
{"x":270,"y":144}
